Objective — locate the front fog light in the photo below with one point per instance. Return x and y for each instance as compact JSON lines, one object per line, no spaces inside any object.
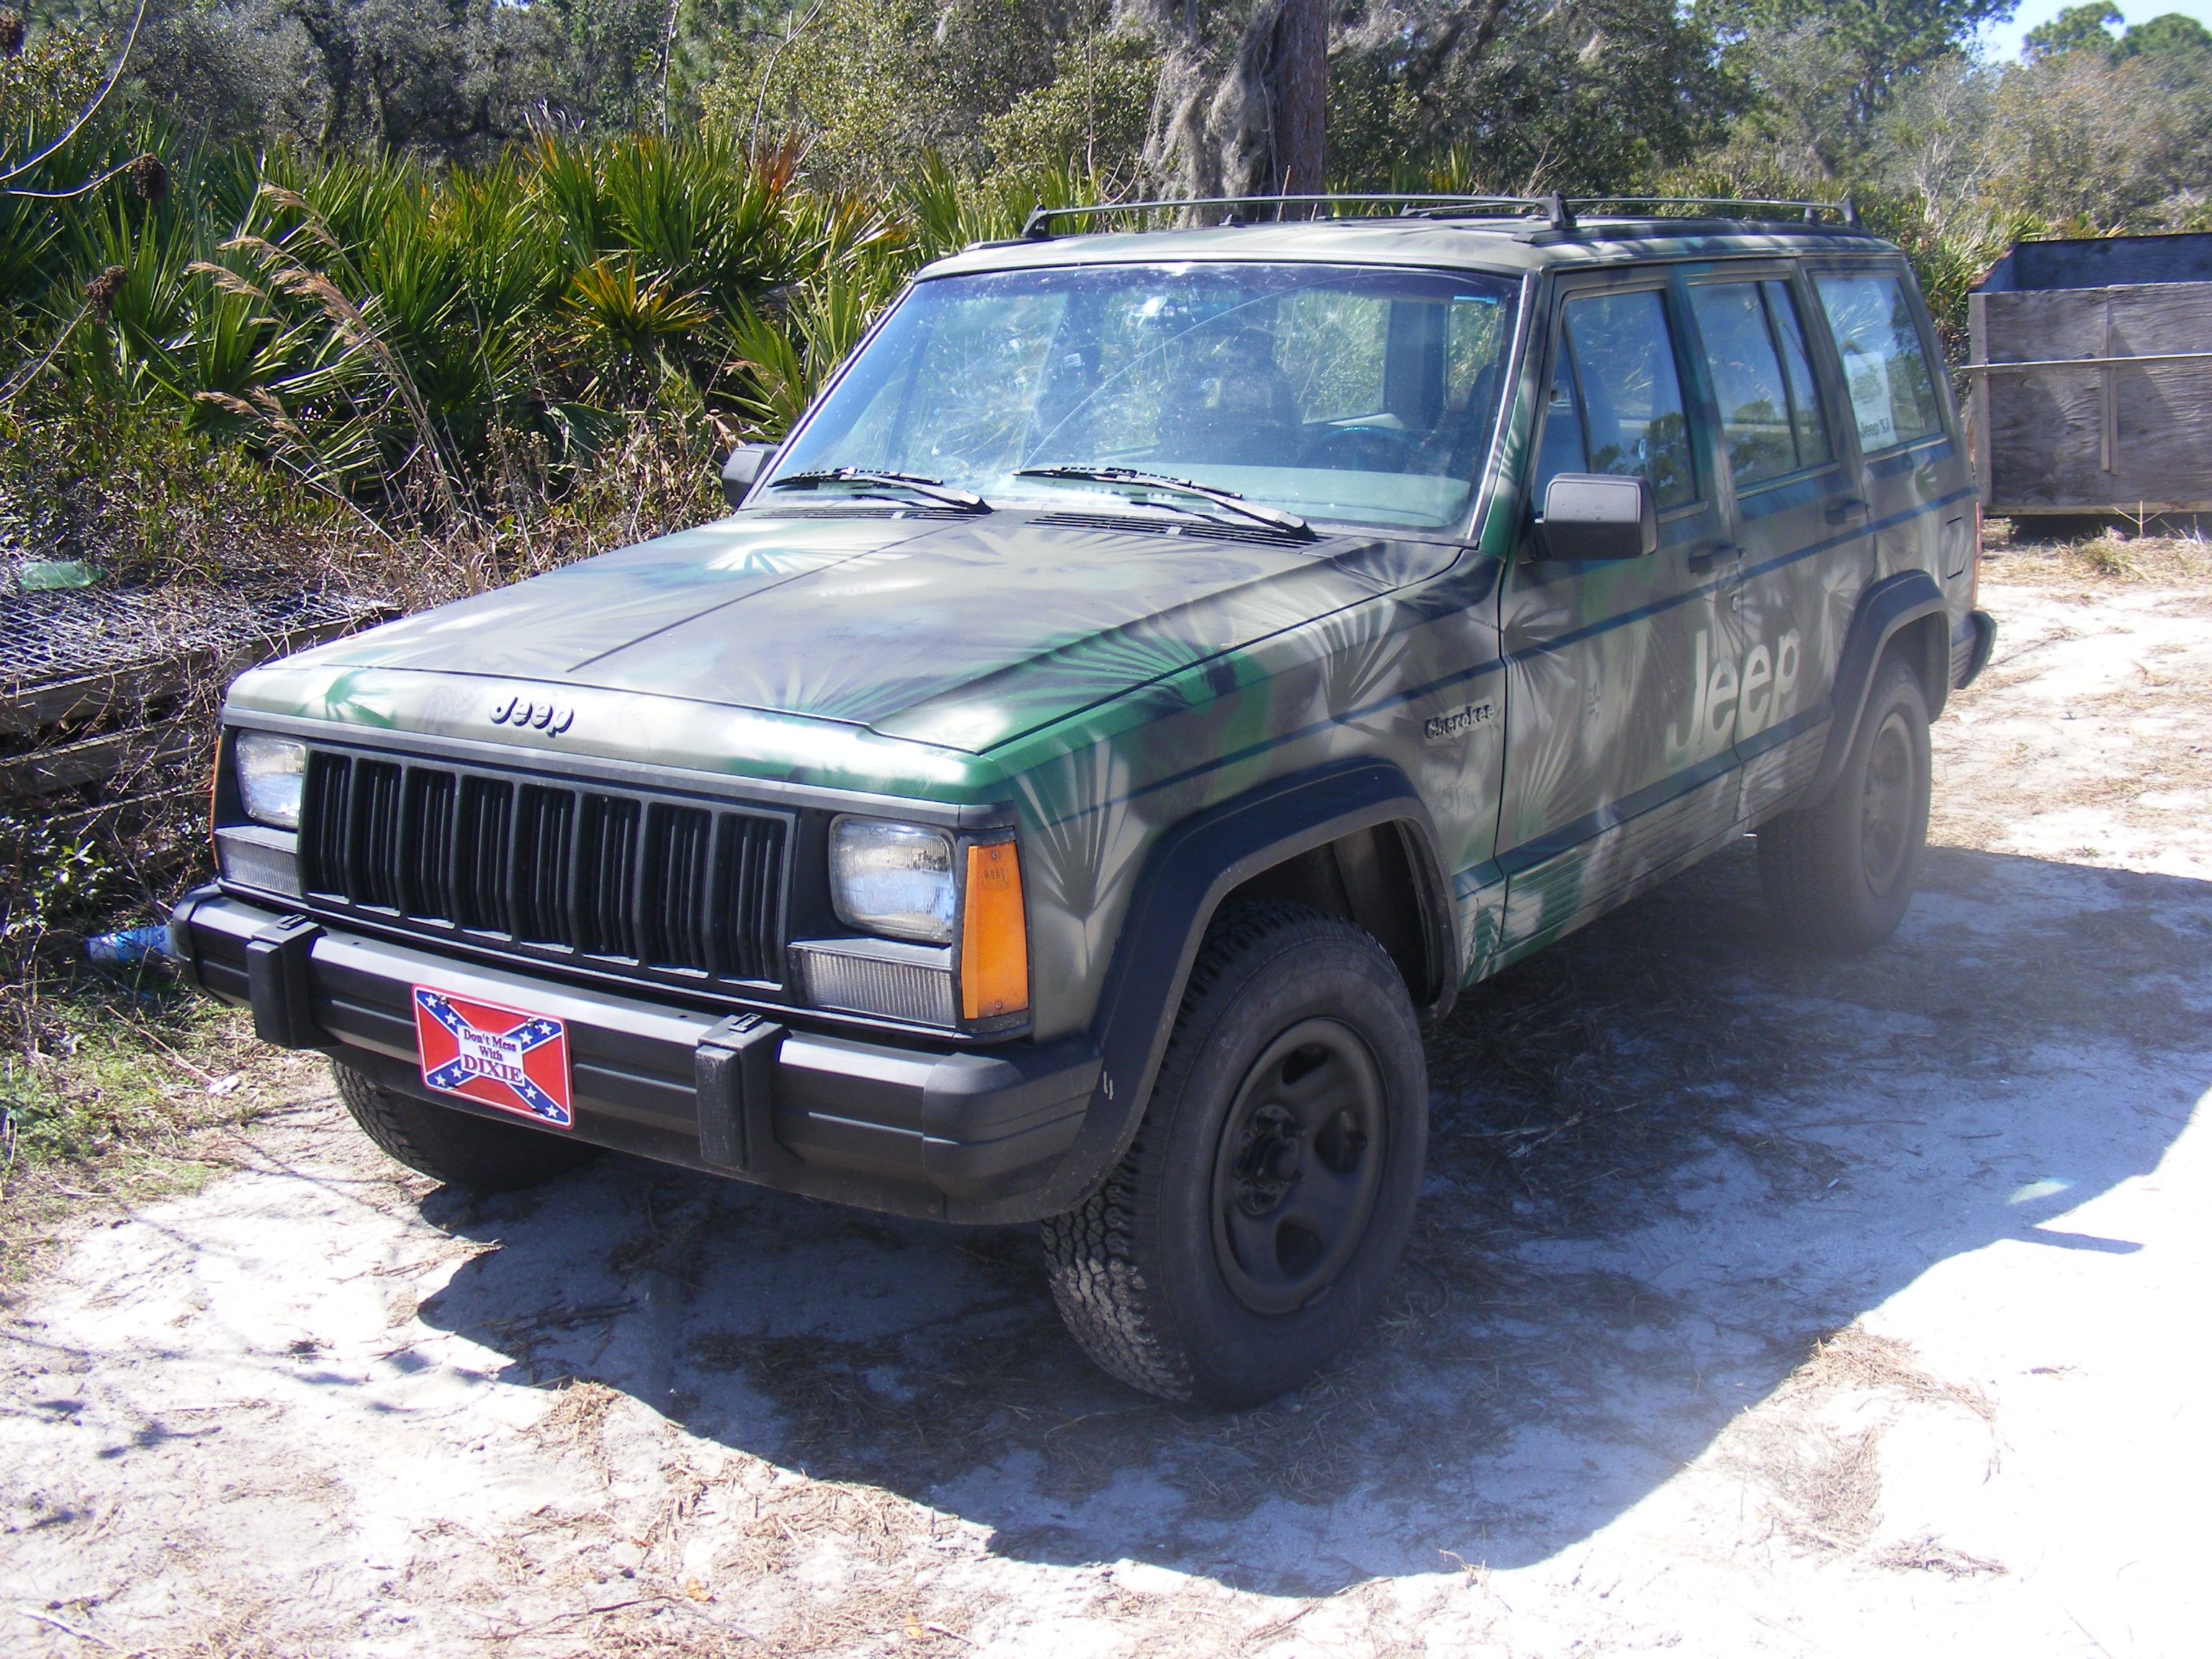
{"x":892,"y":878}
{"x":271,"y":771}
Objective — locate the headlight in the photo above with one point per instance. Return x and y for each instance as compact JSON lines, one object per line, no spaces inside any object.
{"x":271,"y":771}
{"x":890,"y":878}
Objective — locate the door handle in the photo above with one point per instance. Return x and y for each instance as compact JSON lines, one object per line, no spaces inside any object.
{"x":1839,"y":511}
{"x":1719,"y":552}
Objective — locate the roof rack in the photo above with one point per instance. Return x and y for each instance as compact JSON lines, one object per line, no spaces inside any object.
{"x":1846,"y":210}
{"x":1038,"y":227}
{"x":1560,"y":211}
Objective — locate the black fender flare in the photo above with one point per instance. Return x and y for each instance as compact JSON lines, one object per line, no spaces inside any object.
{"x":1886,"y":608}
{"x":1191,"y":869}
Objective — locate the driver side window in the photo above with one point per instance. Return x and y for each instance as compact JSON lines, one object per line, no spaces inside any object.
{"x":1616,"y":403}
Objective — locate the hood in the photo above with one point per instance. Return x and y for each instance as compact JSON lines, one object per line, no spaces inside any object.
{"x":963,"y":634}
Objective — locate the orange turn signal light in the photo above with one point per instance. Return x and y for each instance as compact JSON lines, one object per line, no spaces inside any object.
{"x":994,"y":941}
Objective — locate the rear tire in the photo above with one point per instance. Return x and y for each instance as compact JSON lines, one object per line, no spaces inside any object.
{"x":1253,"y":1226}
{"x":1838,"y":875}
{"x":475,"y":1153}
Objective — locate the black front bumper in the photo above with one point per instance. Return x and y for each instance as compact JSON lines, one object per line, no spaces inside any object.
{"x":960,"y":1135}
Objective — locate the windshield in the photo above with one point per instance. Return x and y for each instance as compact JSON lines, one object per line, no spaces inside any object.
{"x":1337,"y":393}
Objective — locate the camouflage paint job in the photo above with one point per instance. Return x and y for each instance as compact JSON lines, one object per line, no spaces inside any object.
{"x":1107,"y":686}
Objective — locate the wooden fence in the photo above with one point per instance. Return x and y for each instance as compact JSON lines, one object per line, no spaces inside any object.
{"x":2092,"y":378}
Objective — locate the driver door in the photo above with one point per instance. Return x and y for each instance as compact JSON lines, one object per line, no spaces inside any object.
{"x":1613,"y":774}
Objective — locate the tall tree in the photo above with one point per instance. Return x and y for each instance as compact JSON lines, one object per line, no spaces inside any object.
{"x":2078,"y":28}
{"x":1241,"y":108}
{"x":1826,"y":71}
{"x":1520,"y":96}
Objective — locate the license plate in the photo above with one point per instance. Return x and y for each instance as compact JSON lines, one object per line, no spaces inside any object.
{"x":506,"y":1058}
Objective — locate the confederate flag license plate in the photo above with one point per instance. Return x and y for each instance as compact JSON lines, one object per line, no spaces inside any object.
{"x":506,"y":1058}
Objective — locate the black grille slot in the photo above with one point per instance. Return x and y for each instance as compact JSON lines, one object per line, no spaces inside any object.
{"x":323,"y":822}
{"x":748,"y":928}
{"x":606,"y":869}
{"x":487,"y":830}
{"x":426,"y":844}
{"x":544,"y":836}
{"x":679,"y":850}
{"x":373,"y":843}
{"x":651,"y":886}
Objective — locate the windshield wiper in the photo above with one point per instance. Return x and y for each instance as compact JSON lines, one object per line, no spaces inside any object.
{"x":1289,"y":523}
{"x":934,"y":489}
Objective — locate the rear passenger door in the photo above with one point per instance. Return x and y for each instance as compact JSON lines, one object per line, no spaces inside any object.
{"x":1799,"y":515}
{"x":1610,"y":775}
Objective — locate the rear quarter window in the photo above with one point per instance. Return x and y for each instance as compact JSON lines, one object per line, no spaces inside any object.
{"x":1886,"y":374}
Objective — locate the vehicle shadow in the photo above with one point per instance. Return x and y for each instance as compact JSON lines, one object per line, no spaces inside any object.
{"x":1668,"y":1156}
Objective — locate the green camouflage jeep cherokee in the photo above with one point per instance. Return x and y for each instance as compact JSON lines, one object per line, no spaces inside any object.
{"x":1160,"y":667}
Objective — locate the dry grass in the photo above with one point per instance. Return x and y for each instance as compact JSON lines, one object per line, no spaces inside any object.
{"x":1926,"y":1554}
{"x":2117,"y":555}
{"x":1857,"y":1360}
{"x":1822,"y":1482}
{"x":1830,"y":1486}
{"x":577,"y":1421}
{"x":114,"y":1097}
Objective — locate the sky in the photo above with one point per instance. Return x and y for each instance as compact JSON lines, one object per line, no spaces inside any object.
{"x":2001,"y":41}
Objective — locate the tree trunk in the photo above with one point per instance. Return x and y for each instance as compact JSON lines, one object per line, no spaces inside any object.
{"x":1242,"y":113}
{"x":1298,"y":98}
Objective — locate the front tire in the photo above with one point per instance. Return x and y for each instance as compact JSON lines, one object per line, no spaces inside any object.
{"x":459,"y":1148}
{"x":1838,"y":875}
{"x":1253,"y":1226}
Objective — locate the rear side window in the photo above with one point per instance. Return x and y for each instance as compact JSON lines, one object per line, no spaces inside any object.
{"x":1884,"y":366}
{"x":1616,"y":403}
{"x":1770,"y":419}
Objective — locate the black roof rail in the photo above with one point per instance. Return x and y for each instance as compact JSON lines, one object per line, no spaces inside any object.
{"x":1846,"y":210}
{"x":1560,"y":212}
{"x":1038,"y":227}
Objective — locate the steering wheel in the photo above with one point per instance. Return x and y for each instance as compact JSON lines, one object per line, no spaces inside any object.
{"x":1364,"y":449}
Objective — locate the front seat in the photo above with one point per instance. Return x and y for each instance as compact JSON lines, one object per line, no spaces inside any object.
{"x":1230,"y":404}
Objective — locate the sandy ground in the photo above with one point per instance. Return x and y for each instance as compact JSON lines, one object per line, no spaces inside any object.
{"x":1759,"y":1304}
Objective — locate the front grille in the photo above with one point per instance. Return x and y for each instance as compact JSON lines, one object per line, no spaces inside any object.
{"x":629,"y":879}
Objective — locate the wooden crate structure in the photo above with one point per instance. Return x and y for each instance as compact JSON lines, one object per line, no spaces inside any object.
{"x":2090,"y":388}
{"x":106,"y":700}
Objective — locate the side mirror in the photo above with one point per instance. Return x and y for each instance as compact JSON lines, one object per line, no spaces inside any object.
{"x":743,"y":470}
{"x":1597,"y":515}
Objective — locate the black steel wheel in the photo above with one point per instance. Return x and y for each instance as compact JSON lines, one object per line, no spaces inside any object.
{"x":1838,"y":875}
{"x":1252,"y":1227}
{"x":1888,"y":798}
{"x":1299,"y":1166}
